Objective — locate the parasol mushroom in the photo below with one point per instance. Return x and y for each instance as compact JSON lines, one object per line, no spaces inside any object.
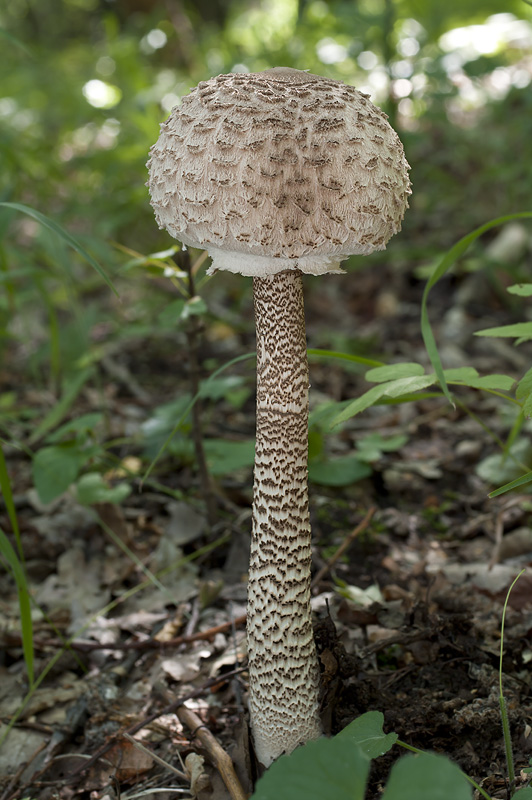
{"x":277,"y":174}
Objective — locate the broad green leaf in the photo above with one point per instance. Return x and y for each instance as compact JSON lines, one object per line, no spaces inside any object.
{"x":521,"y":289}
{"x":338,"y":471}
{"x":17,"y":570}
{"x":371,"y":447}
{"x":92,"y":488}
{"x":366,"y":731}
{"x":460,"y":374}
{"x":334,"y":769}
{"x":55,"y":468}
{"x":172,"y":313}
{"x":524,"y":387}
{"x":495,"y":382}
{"x":524,"y":794}
{"x":426,"y":777}
{"x":523,"y":393}
{"x":445,"y":264}
{"x":504,"y":467}
{"x":516,"y":331}
{"x":224,"y":456}
{"x":55,"y":228}
{"x":391,"y":372}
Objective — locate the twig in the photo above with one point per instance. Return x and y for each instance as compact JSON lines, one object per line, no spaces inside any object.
{"x":146,"y":644}
{"x":343,"y":547}
{"x":219,"y":757}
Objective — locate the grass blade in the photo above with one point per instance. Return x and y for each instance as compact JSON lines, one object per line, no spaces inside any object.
{"x":17,"y":570}
{"x":57,"y":229}
{"x":71,"y":389}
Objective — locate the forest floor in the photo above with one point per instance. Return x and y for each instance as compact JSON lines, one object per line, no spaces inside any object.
{"x":408,"y":619}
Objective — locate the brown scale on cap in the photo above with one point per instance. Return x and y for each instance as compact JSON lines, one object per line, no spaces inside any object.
{"x":276,"y":174}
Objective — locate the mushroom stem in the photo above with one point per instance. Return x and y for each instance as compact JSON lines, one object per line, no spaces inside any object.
{"x":283,"y":665}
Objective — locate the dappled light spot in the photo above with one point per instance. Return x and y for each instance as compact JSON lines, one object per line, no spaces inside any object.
{"x":100,"y":94}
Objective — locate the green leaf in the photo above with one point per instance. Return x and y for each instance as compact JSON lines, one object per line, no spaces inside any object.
{"x":516,"y":331}
{"x":460,"y":374}
{"x":225,"y":456}
{"x":495,"y":382}
{"x":338,"y":471}
{"x":391,"y":372}
{"x":194,"y":307}
{"x":71,"y":388}
{"x":219,"y":388}
{"x":55,"y":228}
{"x":5,"y":487}
{"x":371,"y":447}
{"x":524,"y":387}
{"x":524,"y":479}
{"x":326,"y":768}
{"x":368,"y":362}
{"x":523,"y":393}
{"x":322,"y":416}
{"x":521,"y":289}
{"x":504,"y":467}
{"x":426,"y":777}
{"x":92,"y":488}
{"x":366,"y":731}
{"x":55,"y":468}
{"x":171,"y":315}
{"x":524,"y":794}
{"x":391,"y":389}
{"x":445,"y":264}
{"x":17,"y":570}
{"x":83,"y":424}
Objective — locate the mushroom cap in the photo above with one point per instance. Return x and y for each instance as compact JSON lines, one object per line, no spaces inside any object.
{"x":278,"y":170}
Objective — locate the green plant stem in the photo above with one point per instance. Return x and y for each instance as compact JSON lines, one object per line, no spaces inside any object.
{"x":470,"y":780}
{"x":192,"y":334}
{"x":502,"y":702}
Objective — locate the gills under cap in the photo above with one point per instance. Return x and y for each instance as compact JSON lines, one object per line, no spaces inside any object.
{"x":278,"y":170}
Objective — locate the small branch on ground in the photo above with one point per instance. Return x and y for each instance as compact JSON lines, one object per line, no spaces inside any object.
{"x":145,"y":644}
{"x":219,"y":757}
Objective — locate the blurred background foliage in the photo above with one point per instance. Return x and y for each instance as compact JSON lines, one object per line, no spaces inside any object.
{"x":85,"y":84}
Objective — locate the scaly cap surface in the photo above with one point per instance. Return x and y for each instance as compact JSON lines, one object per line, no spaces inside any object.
{"x":278,"y":170}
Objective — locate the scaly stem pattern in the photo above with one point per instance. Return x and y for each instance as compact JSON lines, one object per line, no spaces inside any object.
{"x":283,"y":665}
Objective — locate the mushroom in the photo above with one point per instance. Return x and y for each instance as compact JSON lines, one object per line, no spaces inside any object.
{"x":277,"y":174}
